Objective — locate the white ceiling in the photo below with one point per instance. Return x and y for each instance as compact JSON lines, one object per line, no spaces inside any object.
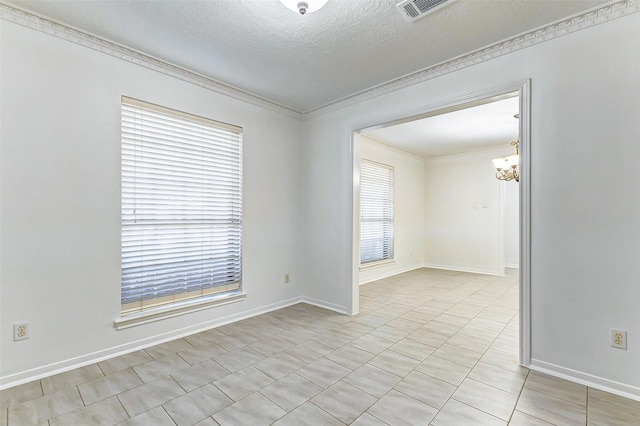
{"x":303,"y":62}
{"x":472,"y":129}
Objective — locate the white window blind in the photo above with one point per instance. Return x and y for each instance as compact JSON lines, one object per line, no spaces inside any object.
{"x":181,"y":206}
{"x":376,"y":212}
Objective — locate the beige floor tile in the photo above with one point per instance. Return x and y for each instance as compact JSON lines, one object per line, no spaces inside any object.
{"x":123,"y":362}
{"x":71,"y":378}
{"x":349,"y":356}
{"x":156,"y":417}
{"x":425,"y":388}
{"x":396,"y":408}
{"x":444,"y":370}
{"x":271,"y":346}
{"x":521,"y":419}
{"x":308,"y":414}
{"x":457,"y":413}
{"x":468,"y":342}
{"x":606,"y":409}
{"x":344,"y":401}
{"x":428,"y":337}
{"x":390,"y":333}
{"x":19,"y":394}
{"x":372,"y":380}
{"x":191,"y":378}
{"x":160,"y":367}
{"x":367,"y":419}
{"x":372,"y":344}
{"x":413,"y":349}
{"x":558,"y":388}
{"x":204,"y":337}
{"x":239,"y":358}
{"x":298,"y":334}
{"x":207,"y":422}
{"x":504,"y":360}
{"x":550,"y":409}
{"x":486,"y":398}
{"x":309,"y":351}
{"x":243,"y":382}
{"x":291,"y":391}
{"x":41,"y":409}
{"x":236,"y":341}
{"x":169,"y":348}
{"x":197,"y":405}
{"x":405,"y":324}
{"x":394,"y":363}
{"x":333,"y":338}
{"x":279,"y":365}
{"x":106,"y":412}
{"x":458,"y":355}
{"x":253,"y":410}
{"x":202,"y":353}
{"x":323,"y":372}
{"x":498,"y":377}
{"x":150,"y":395}
{"x":108,"y":386}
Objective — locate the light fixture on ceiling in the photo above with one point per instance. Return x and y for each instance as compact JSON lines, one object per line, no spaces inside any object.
{"x":304,"y":6}
{"x":508,"y":167}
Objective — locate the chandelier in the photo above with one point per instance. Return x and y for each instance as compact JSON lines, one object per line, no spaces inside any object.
{"x":508,"y":167}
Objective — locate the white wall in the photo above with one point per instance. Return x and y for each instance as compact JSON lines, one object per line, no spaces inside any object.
{"x":585,"y":105}
{"x":511,"y":224}
{"x":60,"y":210}
{"x":408,"y":208}
{"x":462,"y":212}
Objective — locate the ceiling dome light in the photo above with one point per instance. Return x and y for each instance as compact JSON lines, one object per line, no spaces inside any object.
{"x":304,"y":6}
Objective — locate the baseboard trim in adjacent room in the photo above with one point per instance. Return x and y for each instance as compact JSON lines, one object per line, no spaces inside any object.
{"x":81,"y":361}
{"x":326,"y":305}
{"x":586,"y":379}
{"x":463,"y":269}
{"x":388,"y":274}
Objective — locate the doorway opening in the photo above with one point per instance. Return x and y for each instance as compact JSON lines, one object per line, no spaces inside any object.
{"x":492,"y":217}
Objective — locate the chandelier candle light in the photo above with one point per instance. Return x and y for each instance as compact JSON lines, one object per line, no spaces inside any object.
{"x":304,"y":6}
{"x":507,"y":167}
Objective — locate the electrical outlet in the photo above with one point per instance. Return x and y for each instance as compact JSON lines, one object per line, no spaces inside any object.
{"x":20,"y":331}
{"x":619,"y":339}
{"x":286,"y":278}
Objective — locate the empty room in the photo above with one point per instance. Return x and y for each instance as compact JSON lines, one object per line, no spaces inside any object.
{"x":329,"y":212}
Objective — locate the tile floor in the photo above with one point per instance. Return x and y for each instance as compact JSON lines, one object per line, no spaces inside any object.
{"x":428,"y":348}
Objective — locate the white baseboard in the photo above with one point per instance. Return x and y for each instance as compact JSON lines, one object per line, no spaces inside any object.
{"x":387,"y":273}
{"x":326,"y":305}
{"x":586,"y":379}
{"x":76,"y":362}
{"x":511,"y":265}
{"x":463,"y":269}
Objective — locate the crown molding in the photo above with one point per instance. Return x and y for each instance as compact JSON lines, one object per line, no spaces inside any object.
{"x":589,"y":18}
{"x":586,"y":19}
{"x":19,"y":16}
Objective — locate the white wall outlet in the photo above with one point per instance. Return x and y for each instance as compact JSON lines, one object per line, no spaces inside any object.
{"x":286,"y":278}
{"x":619,"y":339}
{"x":20,"y":331}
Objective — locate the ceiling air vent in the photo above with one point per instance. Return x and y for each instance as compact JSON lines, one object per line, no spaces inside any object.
{"x":416,"y":9}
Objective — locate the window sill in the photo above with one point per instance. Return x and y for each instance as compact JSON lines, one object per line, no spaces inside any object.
{"x":378,"y":264}
{"x":157,"y":314}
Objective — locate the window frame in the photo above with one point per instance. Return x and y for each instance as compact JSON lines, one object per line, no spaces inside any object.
{"x":370,"y":166}
{"x":219,"y":211}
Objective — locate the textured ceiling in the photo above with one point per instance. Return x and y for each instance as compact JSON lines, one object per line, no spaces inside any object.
{"x":303,"y":62}
{"x":470,"y":129}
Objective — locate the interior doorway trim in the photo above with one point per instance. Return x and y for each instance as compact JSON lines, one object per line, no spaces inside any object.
{"x":520,"y":88}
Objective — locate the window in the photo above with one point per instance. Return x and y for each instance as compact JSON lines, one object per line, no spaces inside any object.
{"x":181,"y":207}
{"x":376,"y":212}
